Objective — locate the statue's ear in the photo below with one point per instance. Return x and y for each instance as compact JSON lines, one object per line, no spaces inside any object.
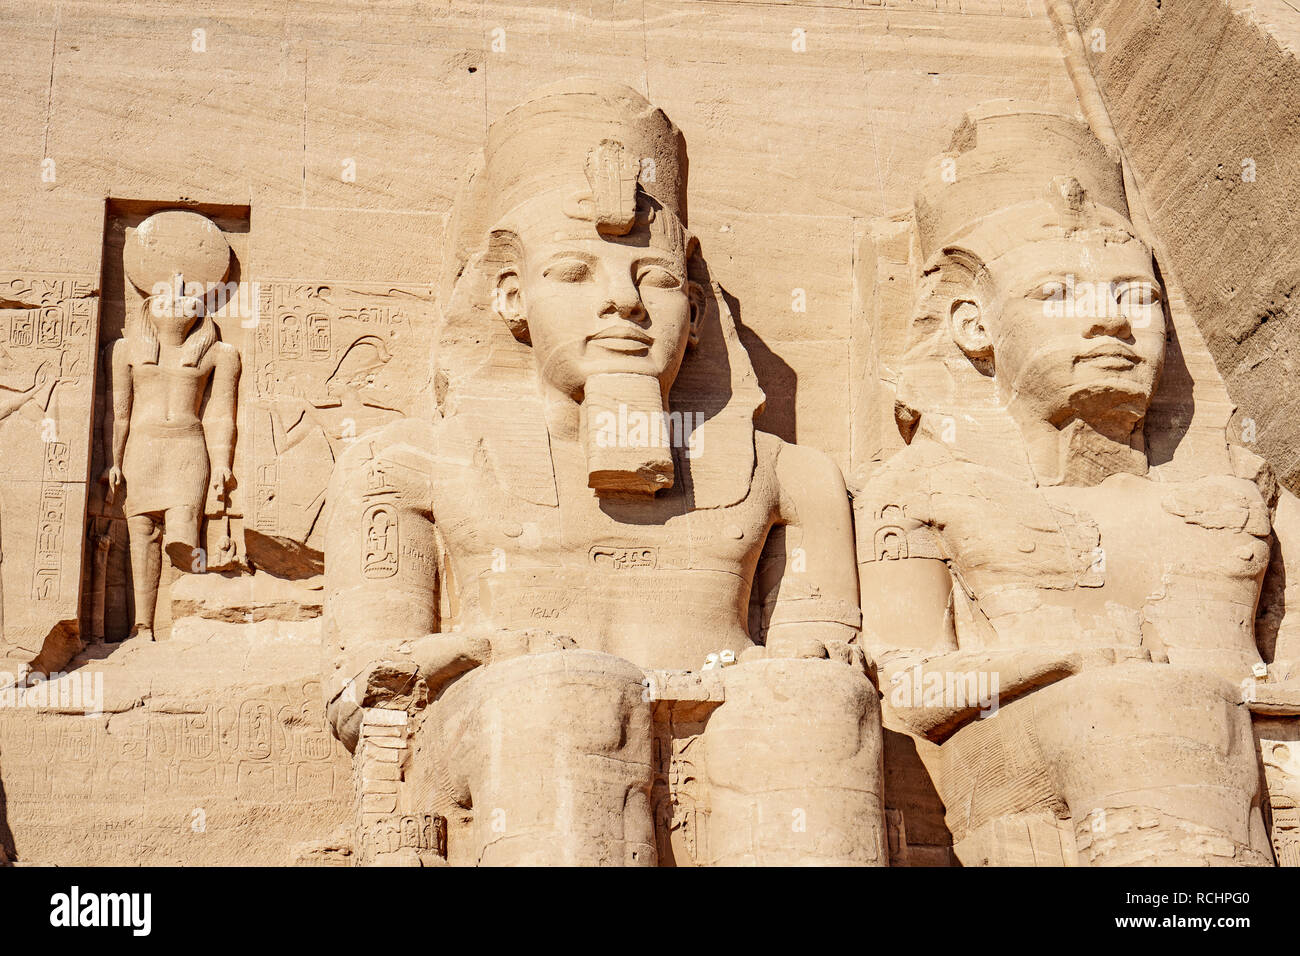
{"x":966,"y":322}
{"x":698,"y":289}
{"x":699,"y":305}
{"x":502,"y":265}
{"x":508,"y":303}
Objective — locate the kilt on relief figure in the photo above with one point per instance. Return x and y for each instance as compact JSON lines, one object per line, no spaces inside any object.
{"x":522,"y":594}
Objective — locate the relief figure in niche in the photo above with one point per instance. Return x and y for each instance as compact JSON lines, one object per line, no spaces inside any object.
{"x":171,"y":433}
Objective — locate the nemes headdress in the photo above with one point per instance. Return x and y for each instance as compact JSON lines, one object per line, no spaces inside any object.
{"x":606,"y":156}
{"x":1014,"y":173}
{"x":1017,"y":172}
{"x":600,"y":143}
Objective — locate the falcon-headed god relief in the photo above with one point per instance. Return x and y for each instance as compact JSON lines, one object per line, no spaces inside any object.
{"x":171,"y":435}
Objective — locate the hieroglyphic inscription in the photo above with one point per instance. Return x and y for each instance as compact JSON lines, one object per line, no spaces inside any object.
{"x":219,"y":776}
{"x":624,"y":559}
{"x":48,"y":336}
{"x":1281,"y":759}
{"x":330,"y":361}
{"x":49,"y":540}
{"x":409,"y":831}
{"x":270,"y":749}
{"x":380,"y":556}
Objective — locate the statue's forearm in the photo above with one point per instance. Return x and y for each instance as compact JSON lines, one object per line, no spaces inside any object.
{"x":221,"y":444}
{"x":121,"y":428}
{"x":219,"y":419}
{"x":122,"y":398}
{"x":935,"y":694}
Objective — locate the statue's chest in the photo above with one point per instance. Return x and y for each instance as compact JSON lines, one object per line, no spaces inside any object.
{"x":154,"y":383}
{"x":1127,"y":537}
{"x":1130,"y":562}
{"x":480,"y":524}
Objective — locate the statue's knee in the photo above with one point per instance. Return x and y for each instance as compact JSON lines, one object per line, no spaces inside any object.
{"x":817,"y":721}
{"x":580,"y":701}
{"x":793,"y":759}
{"x":1170,"y":719}
{"x":1151,"y":749}
{"x":556,"y":751}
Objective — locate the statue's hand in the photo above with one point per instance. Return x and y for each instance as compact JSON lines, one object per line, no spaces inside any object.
{"x":414,"y":671}
{"x":112,"y":477}
{"x":813,"y":641}
{"x":221,"y":480}
{"x":441,"y":658}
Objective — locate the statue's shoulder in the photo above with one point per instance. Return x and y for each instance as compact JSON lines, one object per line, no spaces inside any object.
{"x":396,"y":459}
{"x":898,"y":503}
{"x":223,"y":357}
{"x":768,"y":448}
{"x":795,"y":472}
{"x":909,"y":472}
{"x":117,"y":354}
{"x":1251,"y":467}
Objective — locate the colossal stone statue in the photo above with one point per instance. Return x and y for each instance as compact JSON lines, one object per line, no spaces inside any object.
{"x":1067,"y":624}
{"x":171,"y":435}
{"x":535,"y":602}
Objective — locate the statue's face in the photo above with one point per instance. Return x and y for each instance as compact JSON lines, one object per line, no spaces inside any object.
{"x":175,"y":314}
{"x":596,"y":304}
{"x":1076,"y":328}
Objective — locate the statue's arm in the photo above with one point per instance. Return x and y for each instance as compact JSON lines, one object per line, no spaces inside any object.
{"x":219,"y":415}
{"x":906,"y":609}
{"x":118,"y":424}
{"x":909,"y":627}
{"x":906,"y":585}
{"x":122,"y":399}
{"x":817,"y":597}
{"x":374,"y":589}
{"x":911,"y":603}
{"x":381,"y":583}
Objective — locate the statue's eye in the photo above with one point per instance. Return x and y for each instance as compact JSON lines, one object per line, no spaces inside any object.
{"x":658,"y":278}
{"x":1048,"y":292}
{"x":1137,"y":294}
{"x":568,"y":270}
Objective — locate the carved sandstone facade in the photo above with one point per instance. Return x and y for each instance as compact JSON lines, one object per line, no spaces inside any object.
{"x":479,"y":518}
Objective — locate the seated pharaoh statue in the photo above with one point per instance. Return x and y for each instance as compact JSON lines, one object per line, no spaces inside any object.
{"x":1064,"y":622}
{"x":534,"y":601}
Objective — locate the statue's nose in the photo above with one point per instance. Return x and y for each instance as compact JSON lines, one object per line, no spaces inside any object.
{"x":625,"y":302}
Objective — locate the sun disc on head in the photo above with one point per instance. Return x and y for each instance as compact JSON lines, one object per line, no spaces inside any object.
{"x":176,"y":242}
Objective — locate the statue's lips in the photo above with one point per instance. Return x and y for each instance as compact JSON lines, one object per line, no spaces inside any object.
{"x":1112,"y":356}
{"x":623,"y":338}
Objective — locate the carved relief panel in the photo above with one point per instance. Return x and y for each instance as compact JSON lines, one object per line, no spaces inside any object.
{"x":49,"y":328}
{"x":327,"y":362}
